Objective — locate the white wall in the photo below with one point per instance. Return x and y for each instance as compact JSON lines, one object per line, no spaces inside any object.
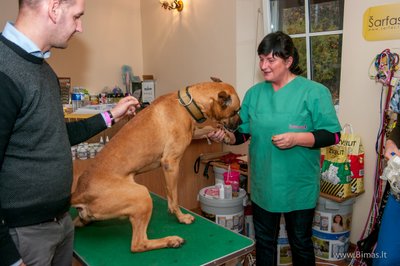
{"x":249,"y":33}
{"x":111,"y":37}
{"x":360,"y":97}
{"x":180,"y":49}
{"x":8,"y":12}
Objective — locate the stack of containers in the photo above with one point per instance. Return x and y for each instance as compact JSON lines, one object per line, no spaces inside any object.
{"x":283,"y":249}
{"x":224,"y":203}
{"x":331,"y":229}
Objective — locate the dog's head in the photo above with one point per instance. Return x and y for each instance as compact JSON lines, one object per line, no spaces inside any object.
{"x":219,"y":102}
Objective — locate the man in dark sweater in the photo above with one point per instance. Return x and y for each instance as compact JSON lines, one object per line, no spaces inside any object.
{"x":35,"y":142}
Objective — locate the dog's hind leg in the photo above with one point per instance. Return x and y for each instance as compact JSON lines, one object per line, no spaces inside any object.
{"x":140,"y":219}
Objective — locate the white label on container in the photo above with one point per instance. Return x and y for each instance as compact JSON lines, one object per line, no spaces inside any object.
{"x":332,"y":222}
{"x":233,"y":222}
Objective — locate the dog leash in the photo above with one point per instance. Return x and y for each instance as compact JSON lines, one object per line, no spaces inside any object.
{"x":196,"y":167}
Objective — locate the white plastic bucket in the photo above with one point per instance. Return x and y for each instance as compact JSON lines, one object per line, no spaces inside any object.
{"x":284,"y":253}
{"x":228,"y":213}
{"x":331,"y":229}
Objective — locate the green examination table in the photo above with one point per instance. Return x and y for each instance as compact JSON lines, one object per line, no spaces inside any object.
{"x":206,"y":243}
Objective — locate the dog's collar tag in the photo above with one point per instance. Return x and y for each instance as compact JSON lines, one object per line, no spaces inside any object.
{"x":186,"y":100}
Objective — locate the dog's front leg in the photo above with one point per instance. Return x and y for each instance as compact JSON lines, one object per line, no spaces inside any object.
{"x":171,"y":174}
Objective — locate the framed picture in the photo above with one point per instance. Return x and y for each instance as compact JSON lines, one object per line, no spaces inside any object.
{"x":65,"y":86}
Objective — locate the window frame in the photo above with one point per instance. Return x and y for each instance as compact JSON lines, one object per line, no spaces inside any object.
{"x":307,"y":35}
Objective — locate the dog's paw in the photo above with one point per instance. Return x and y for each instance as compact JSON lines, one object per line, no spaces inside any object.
{"x":186,"y":219}
{"x":175,"y":241}
{"x":78,"y":222}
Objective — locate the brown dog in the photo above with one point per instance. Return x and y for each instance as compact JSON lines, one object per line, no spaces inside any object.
{"x":157,"y":136}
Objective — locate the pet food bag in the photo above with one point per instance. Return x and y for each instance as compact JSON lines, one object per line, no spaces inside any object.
{"x":355,"y":157}
{"x":342,"y":166}
{"x":335,"y":172}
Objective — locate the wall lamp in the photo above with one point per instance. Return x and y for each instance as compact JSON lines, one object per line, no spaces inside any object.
{"x":176,"y":4}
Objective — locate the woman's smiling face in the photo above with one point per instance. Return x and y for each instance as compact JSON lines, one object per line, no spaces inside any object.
{"x":274,"y":68}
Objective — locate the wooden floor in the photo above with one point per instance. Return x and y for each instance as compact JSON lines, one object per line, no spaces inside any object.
{"x":76,"y":263}
{"x":338,"y":263}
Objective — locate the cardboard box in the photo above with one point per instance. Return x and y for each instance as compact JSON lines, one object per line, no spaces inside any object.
{"x":148,"y":90}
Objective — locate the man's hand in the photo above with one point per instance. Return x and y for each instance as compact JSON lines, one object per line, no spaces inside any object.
{"x":126,"y":106}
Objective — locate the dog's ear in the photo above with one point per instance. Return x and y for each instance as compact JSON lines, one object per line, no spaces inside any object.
{"x":224,"y":99}
{"x":215,"y":79}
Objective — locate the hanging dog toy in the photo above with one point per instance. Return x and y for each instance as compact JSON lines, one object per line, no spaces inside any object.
{"x":386,"y":63}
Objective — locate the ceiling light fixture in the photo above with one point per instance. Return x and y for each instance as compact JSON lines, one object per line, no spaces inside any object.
{"x":176,"y":4}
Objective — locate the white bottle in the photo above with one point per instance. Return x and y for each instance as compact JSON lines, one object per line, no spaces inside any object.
{"x":100,"y":145}
{"x":221,"y":191}
{"x":228,"y":191}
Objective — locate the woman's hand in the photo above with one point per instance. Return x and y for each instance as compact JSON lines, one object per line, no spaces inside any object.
{"x":391,"y":149}
{"x":284,"y":141}
{"x":291,"y":139}
{"x":221,"y":135}
{"x":126,"y":106}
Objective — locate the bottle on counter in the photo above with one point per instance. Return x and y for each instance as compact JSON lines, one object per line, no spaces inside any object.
{"x":76,"y":99}
{"x":100,"y":145}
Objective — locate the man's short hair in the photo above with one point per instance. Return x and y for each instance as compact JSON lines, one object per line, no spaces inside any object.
{"x":34,"y":3}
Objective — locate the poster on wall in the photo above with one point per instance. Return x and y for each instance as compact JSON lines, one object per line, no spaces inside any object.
{"x":382,"y":23}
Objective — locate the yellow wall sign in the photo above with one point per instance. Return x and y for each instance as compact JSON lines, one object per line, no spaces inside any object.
{"x":382,"y":23}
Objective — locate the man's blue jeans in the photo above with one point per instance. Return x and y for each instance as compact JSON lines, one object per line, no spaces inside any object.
{"x":299,"y":231}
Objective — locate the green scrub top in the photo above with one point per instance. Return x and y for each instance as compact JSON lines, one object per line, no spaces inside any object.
{"x":288,"y":179}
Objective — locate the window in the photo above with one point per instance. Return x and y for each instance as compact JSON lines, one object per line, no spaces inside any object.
{"x":316,"y":27}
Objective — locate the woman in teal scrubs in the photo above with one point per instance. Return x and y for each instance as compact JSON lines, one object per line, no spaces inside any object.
{"x":288,"y":119}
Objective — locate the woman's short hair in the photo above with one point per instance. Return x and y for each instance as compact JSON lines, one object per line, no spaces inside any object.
{"x":281,"y":45}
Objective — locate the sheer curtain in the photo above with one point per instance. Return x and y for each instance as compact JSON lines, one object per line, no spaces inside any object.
{"x":271,"y":15}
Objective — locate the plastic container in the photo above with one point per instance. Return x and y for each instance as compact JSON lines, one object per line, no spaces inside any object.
{"x":284,"y":253}
{"x":228,"y":213}
{"x":233,"y":178}
{"x":219,"y":174}
{"x":331,"y":228}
